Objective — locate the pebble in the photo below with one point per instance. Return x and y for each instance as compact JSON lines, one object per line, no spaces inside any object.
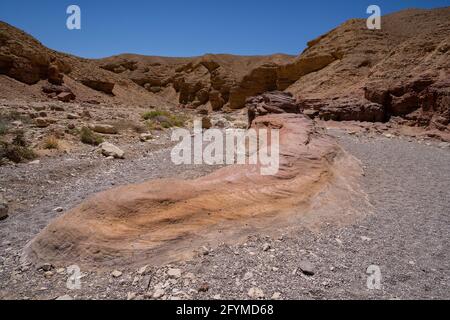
{"x":248,"y":276}
{"x":306,"y":268}
{"x":142,"y":270}
{"x":158,"y":293}
{"x":204,"y":287}
{"x":116,"y":274}
{"x":131,"y":296}
{"x":65,"y":298}
{"x":174,"y":273}
{"x":276,"y":296}
{"x":256,"y":293}
{"x":266,"y":247}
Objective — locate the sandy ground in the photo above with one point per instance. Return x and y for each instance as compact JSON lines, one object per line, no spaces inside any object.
{"x":406,"y":234}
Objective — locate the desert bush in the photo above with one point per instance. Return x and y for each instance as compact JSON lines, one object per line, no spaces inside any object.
{"x":51,"y":143}
{"x":16,"y":151}
{"x":89,"y":137}
{"x":164,"y":118}
{"x":10,"y":116}
{"x":3,"y":127}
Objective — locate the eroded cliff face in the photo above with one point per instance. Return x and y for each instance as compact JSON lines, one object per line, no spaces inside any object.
{"x":350,"y":73}
{"x":217,"y":81}
{"x":402,"y":70}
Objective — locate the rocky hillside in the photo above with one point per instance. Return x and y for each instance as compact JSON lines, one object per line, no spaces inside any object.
{"x":401,"y":70}
{"x":350,"y":73}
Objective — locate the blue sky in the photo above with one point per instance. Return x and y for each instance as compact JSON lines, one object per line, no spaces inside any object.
{"x":189,"y":27}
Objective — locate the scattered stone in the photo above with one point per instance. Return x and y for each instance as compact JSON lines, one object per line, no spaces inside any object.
{"x":41,"y":122}
{"x":276,"y":296}
{"x":174,"y":273}
{"x":256,"y":293}
{"x":104,"y":128}
{"x":116,"y":274}
{"x":72,"y":116}
{"x":306,"y":268}
{"x":71,"y":126}
{"x":110,"y":150}
{"x":59,"y":209}
{"x":142,"y":270}
{"x":247,"y":276}
{"x":48,"y":274}
{"x":39,"y":108}
{"x":65,"y":96}
{"x":45,"y":267}
{"x":57,"y":108}
{"x":444,"y":145}
{"x":131,"y":296}
{"x":204,"y":287}
{"x":86,"y":114}
{"x":217,"y":297}
{"x":366,"y":239}
{"x":158,"y":293}
{"x":266,"y":247}
{"x":311,"y":113}
{"x":204,"y":251}
{"x":61,"y":271}
{"x":65,"y":298}
{"x":146,"y":137}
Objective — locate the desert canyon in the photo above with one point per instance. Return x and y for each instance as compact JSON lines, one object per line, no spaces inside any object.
{"x":86,"y":177}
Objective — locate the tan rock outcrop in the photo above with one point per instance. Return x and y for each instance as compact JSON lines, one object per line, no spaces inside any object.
{"x":165,"y":220}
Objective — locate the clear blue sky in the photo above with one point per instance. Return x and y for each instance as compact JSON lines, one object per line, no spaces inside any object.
{"x":189,"y":27}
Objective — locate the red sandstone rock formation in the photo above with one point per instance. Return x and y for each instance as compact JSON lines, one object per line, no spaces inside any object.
{"x":165,"y":220}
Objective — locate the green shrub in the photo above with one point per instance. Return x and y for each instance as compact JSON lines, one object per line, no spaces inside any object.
{"x":164,"y":118}
{"x":17,"y":151}
{"x":89,"y":137}
{"x":155,"y":113}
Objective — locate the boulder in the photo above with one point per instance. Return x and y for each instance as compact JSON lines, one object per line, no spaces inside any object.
{"x":271,"y":102}
{"x":110,"y":150}
{"x":146,"y":137}
{"x":65,"y":96}
{"x":98,"y":85}
{"x":72,"y":116}
{"x":104,"y":128}
{"x":43,"y":122}
{"x":54,"y":75}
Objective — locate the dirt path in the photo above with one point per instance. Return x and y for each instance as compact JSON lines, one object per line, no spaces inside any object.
{"x":407,"y":235}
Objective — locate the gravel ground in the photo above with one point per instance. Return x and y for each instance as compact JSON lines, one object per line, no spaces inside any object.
{"x":406,"y":235}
